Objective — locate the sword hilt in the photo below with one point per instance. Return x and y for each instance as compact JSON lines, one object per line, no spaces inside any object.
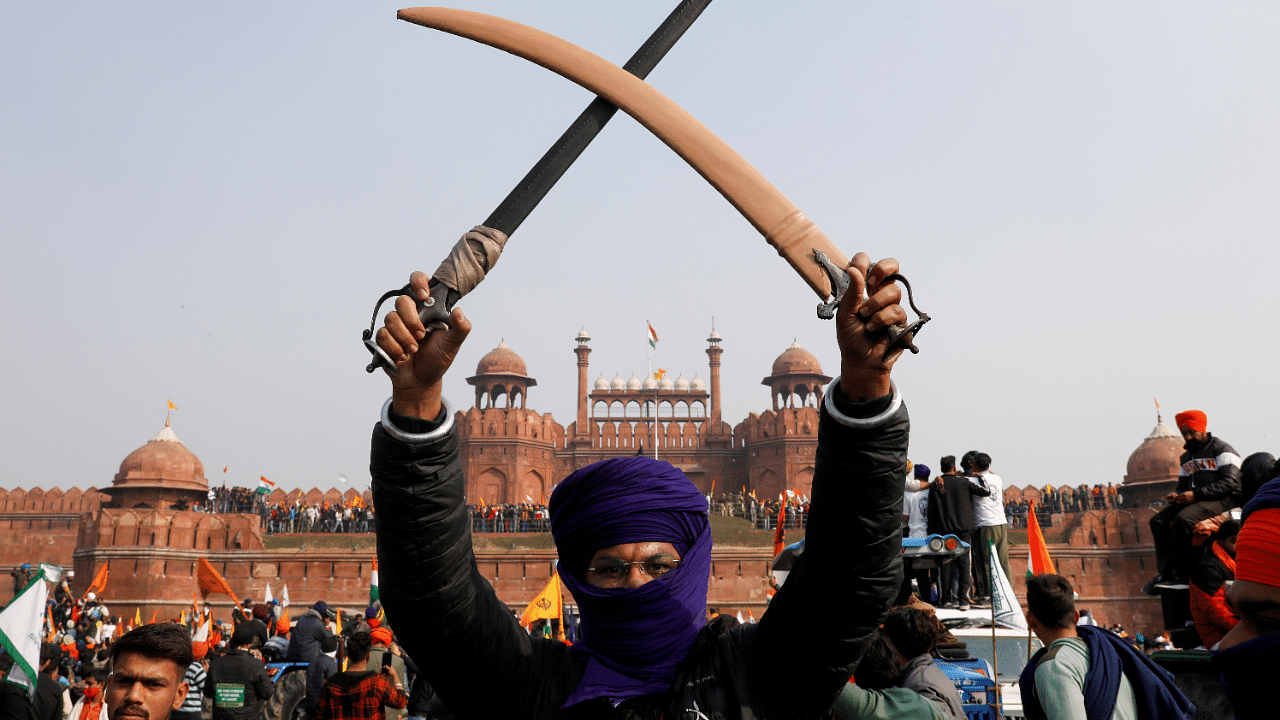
{"x":433,"y":312}
{"x":899,"y":337}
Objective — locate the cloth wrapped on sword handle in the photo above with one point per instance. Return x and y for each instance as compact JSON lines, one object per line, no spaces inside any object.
{"x":471,"y":258}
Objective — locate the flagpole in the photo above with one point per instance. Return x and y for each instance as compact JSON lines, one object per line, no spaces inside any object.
{"x":995,"y":652}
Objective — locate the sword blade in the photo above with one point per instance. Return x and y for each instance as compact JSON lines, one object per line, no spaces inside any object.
{"x":535,"y":185}
{"x":551,"y":167}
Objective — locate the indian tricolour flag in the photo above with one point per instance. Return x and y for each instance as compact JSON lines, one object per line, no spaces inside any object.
{"x":373,"y":582}
{"x":653,"y":335}
{"x":20,"y":632}
{"x":264,"y":485}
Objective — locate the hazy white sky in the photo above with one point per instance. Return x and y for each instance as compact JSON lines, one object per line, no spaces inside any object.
{"x":200,"y":201}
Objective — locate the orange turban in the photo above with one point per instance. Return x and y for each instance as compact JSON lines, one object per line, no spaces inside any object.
{"x":282,"y":626}
{"x":381,"y":635}
{"x":1192,"y":420}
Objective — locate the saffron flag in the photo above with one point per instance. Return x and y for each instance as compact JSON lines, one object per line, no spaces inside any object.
{"x":778,"y":535}
{"x":1004,"y":605}
{"x":653,"y":337}
{"x":548,"y":605}
{"x":20,"y":632}
{"x":1041,"y":563}
{"x":171,"y":405}
{"x":210,"y":581}
{"x":99,"y":581}
{"x":154,"y":614}
{"x":660,"y":374}
{"x":264,"y":485}
{"x":373,"y":582}
{"x":137,"y":617}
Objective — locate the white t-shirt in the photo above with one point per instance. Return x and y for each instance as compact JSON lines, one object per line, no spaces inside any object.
{"x":989,"y":510}
{"x":917,"y":507}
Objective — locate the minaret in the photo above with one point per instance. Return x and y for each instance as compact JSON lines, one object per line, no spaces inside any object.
{"x":582,"y":351}
{"x":713,"y":351}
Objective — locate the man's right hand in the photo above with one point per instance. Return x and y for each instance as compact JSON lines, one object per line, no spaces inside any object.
{"x":422,"y":358}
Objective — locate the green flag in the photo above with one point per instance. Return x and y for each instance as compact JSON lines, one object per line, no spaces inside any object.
{"x":21,"y":626}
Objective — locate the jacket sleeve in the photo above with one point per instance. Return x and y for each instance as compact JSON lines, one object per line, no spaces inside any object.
{"x":445,"y":613}
{"x":822,"y":619}
{"x":262,"y":684}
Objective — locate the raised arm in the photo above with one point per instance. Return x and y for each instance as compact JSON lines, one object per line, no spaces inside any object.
{"x":821,"y":621}
{"x":444,"y":612}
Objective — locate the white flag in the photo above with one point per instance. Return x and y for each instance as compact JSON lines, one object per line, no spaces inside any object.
{"x":21,"y":629}
{"x":342,"y":478}
{"x":202,"y":634}
{"x":1004,"y":605}
{"x":284,"y":596}
{"x":740,"y":620}
{"x":267,"y":600}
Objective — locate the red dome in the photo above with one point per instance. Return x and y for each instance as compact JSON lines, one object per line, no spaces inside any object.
{"x":795,"y":360}
{"x":502,"y":360}
{"x":162,"y":461}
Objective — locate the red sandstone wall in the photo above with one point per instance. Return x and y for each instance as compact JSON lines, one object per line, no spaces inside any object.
{"x":38,"y":500}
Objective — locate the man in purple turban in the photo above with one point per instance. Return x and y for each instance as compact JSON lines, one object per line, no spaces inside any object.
{"x":635,"y":551}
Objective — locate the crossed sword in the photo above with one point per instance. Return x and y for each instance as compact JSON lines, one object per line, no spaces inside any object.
{"x":796,"y":238}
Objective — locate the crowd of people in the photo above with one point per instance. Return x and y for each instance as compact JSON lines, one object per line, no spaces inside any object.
{"x":321,"y":517}
{"x":966,"y":502}
{"x":1064,"y":499}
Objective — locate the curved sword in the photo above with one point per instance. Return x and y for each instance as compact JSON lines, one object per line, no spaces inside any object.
{"x":783,"y":225}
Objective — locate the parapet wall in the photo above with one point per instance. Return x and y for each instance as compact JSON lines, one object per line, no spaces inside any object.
{"x":56,"y":500}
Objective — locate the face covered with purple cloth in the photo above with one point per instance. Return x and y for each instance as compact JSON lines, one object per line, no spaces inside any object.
{"x":632,"y":634}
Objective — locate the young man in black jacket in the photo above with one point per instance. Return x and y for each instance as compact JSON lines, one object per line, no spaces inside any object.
{"x":466,"y":641}
{"x":951,"y":513}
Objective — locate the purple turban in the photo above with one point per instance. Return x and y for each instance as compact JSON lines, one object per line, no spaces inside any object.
{"x":633,"y":639}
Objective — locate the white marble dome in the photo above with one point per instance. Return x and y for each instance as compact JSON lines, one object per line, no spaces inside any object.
{"x":696,"y":384}
{"x":650,"y":383}
{"x":583,"y":334}
{"x":601,"y":383}
{"x":617,"y":383}
{"x":666,"y":384}
{"x":633,"y":383}
{"x":682,"y":385}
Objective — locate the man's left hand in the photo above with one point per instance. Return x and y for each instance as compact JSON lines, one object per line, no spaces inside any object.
{"x":1185,"y":498}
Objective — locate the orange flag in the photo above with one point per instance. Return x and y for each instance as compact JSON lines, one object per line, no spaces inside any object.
{"x":99,"y":581}
{"x":778,"y":535}
{"x":210,"y":581}
{"x":1038,"y":553}
{"x":548,"y":605}
{"x":153,"y":616}
{"x":137,"y":617}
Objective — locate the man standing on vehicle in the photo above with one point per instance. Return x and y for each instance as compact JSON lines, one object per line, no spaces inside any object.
{"x":988,"y":515}
{"x":1208,"y":485}
{"x":951,"y":513}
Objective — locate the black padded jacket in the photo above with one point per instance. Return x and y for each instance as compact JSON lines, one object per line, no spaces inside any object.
{"x":792,"y":664}
{"x":1212,"y":472}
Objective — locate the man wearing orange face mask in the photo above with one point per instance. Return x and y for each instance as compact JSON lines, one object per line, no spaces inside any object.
{"x":92,"y":705}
